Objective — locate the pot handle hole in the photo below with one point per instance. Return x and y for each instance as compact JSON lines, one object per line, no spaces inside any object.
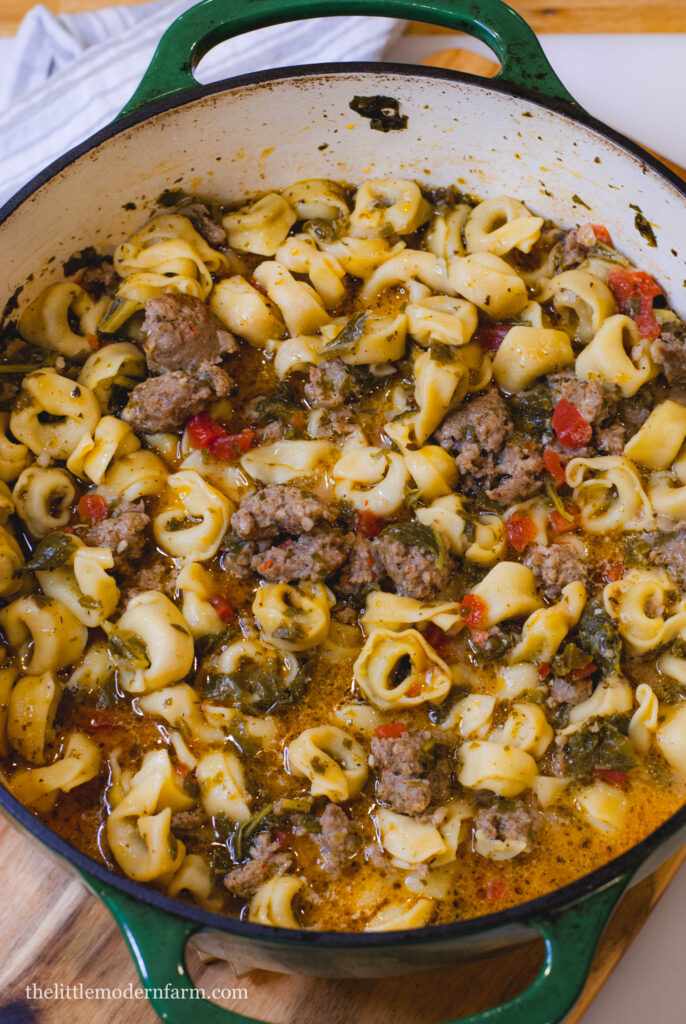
{"x":199,"y":29}
{"x":571,"y":936}
{"x":157,"y":941}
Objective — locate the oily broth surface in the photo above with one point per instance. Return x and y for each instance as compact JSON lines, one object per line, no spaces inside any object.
{"x":566,"y":846}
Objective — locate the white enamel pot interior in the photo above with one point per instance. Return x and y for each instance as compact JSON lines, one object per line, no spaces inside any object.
{"x":278,"y":128}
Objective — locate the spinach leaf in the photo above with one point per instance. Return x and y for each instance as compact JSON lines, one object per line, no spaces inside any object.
{"x":348,"y":336}
{"x":52,"y":552}
{"x":597,"y":635}
{"x":257,"y":689}
{"x":600,"y":743}
{"x":419,"y":535}
{"x":126,"y":646}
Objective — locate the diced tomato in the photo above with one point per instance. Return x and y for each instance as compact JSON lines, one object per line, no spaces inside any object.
{"x":222,"y":607}
{"x":473,"y":610}
{"x":615,"y":778}
{"x":92,"y":508}
{"x":435,"y":636}
{"x":203,"y":431}
{"x":572,"y":430}
{"x":634,"y":287}
{"x":494,"y":889}
{"x":280,"y":836}
{"x":612,"y":572}
{"x":93,"y":342}
{"x":414,"y":690}
{"x":583,"y":672}
{"x":391,"y":731}
{"x":181,"y":769}
{"x":521,"y":531}
{"x":288,"y":542}
{"x":590,"y":234}
{"x":231,"y":446}
{"x":560,"y":524}
{"x":544,"y":669}
{"x":554,"y":465}
{"x":369,"y":524}
{"x":492,"y":336}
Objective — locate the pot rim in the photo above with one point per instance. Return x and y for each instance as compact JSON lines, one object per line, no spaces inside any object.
{"x":522,"y":913}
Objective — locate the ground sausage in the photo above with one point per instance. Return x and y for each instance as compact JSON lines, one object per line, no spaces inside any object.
{"x":594,"y":402}
{"x":672,"y":556}
{"x":201,"y":219}
{"x":669,"y":351}
{"x":554,"y":567}
{"x":181,"y":334}
{"x":360,"y":569}
{"x":280,"y":508}
{"x":339,"y":840}
{"x":99,"y":280}
{"x":479,"y":427}
{"x":329,"y":385}
{"x":266,"y":859}
{"x":311,"y":557}
{"x":516,"y":475}
{"x":568,"y":691}
{"x":165,"y":403}
{"x":517,"y":825}
{"x":9,"y":390}
{"x":415,"y":770}
{"x":414,"y":571}
{"x":126,"y":535}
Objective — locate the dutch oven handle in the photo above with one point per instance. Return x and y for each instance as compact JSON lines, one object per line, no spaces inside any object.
{"x":157,"y":941}
{"x":194,"y":33}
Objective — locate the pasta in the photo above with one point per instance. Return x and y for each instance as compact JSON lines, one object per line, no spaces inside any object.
{"x":342,"y":553}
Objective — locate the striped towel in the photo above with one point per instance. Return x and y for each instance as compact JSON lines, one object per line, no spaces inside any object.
{"x":69,"y":76}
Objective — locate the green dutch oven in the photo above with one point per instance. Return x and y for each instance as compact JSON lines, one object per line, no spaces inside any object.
{"x":520,"y":133}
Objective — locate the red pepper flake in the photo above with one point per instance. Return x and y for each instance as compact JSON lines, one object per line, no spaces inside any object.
{"x":562,"y":525}
{"x":473,"y":610}
{"x":222,"y":607}
{"x":298,"y":419}
{"x":521,"y":531}
{"x":612,"y":572}
{"x":494,"y":890}
{"x":101,"y":720}
{"x":492,"y":336}
{"x":369,"y":525}
{"x":266,"y":565}
{"x":435,"y":636}
{"x":572,"y":430}
{"x":414,"y":690}
{"x":555,"y":466}
{"x":391,"y":731}
{"x":544,"y":669}
{"x":181,"y":769}
{"x":92,"y":508}
{"x":583,"y":672}
{"x":615,"y":778}
{"x":257,"y":286}
{"x":634,"y":291}
{"x":92,"y":340}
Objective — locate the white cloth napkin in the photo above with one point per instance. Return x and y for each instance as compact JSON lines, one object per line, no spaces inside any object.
{"x":70,"y":75}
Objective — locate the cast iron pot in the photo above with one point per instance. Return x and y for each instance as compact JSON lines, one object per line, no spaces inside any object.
{"x":520,"y":134}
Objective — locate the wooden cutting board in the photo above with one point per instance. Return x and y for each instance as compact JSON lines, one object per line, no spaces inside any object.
{"x":53,"y":931}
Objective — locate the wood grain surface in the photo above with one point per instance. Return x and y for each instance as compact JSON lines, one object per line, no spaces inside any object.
{"x":542,"y":15}
{"x":54,"y":932}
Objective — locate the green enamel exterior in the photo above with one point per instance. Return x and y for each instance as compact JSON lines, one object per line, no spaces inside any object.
{"x":210,"y":22}
{"x":155,"y":937}
{"x":157,"y":941}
